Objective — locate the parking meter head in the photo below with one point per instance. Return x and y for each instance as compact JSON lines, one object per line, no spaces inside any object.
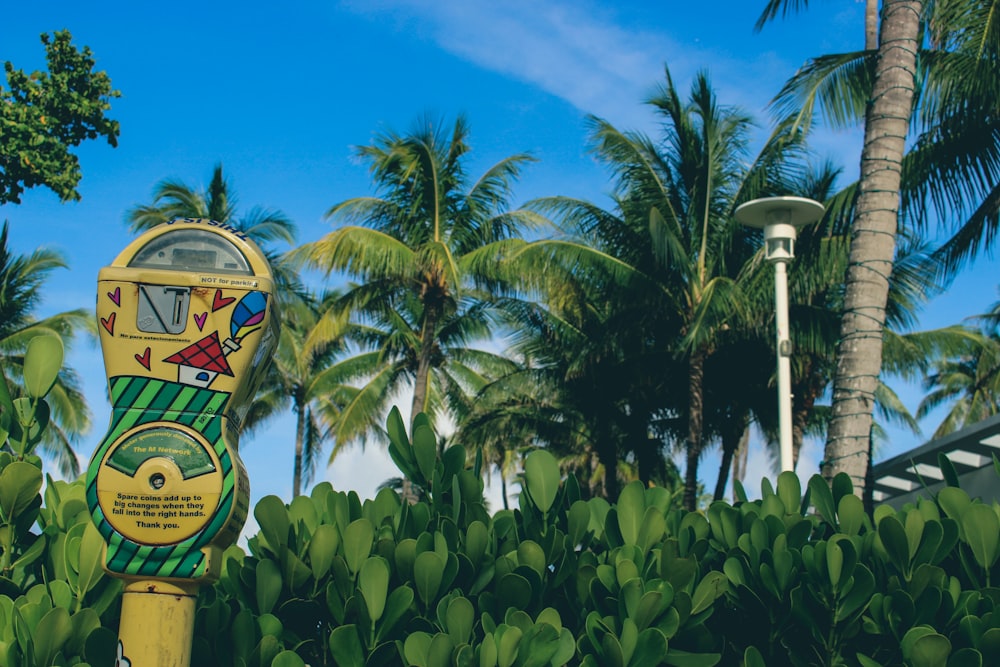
{"x":187,"y":327}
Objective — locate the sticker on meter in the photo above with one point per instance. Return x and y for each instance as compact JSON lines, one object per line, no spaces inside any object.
{"x":159,"y":485}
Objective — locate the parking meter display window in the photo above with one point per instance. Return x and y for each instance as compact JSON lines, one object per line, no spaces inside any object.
{"x":192,"y":250}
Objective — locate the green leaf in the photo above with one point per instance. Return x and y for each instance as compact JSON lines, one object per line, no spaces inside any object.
{"x":650,"y":647}
{"x":424,"y":449}
{"x":751,"y":656}
{"x":461,"y":616}
{"x":893,"y":537}
{"x":428,"y":569}
{"x":513,"y":590}
{"x":91,"y":560}
{"x":578,"y":521}
{"x":322,"y":548}
{"x":982,"y":533}
{"x":541,"y":475}
{"x":790,"y":491}
{"x":851,"y":512}
{"x":931,"y":650}
{"x":948,"y":470}
{"x":373,"y":580}
{"x":31,"y":417}
{"x":268,"y":580}
{"x":42,"y":361}
{"x":345,"y":646}
{"x":440,"y":650}
{"x":476,"y":537}
{"x":358,"y":538}
{"x":507,"y":645}
{"x":822,"y":500}
{"x":400,"y":450}
{"x":953,"y":501}
{"x":20,"y":482}
{"x":709,"y":589}
{"x":416,"y":647}
{"x":396,"y":606}
{"x":50,"y":634}
{"x":631,"y":509}
{"x":272,"y":517}
{"x":287,"y":659}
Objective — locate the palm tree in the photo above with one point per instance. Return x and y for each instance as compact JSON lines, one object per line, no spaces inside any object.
{"x":873,"y":236}
{"x":967,"y":375}
{"x":970,"y":382}
{"x":671,"y":244}
{"x":381,"y":361}
{"x":305,"y":379}
{"x":21,"y":280}
{"x":582,"y":394}
{"x":425,"y":251}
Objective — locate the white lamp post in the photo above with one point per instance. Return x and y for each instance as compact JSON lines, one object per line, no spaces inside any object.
{"x":780,"y":218}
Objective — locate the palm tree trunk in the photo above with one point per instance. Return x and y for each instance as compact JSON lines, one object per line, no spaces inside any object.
{"x":740,"y":461}
{"x":427,"y":341}
{"x":696,"y":375}
{"x":300,"y":430}
{"x":731,"y":442}
{"x":607,"y":455}
{"x":873,"y":241}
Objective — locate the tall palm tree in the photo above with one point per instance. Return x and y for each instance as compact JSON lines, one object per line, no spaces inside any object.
{"x":305,"y":380}
{"x":893,"y":81}
{"x":425,"y":252}
{"x":22,"y":278}
{"x":859,"y":352}
{"x":952,"y":172}
{"x":671,"y":242}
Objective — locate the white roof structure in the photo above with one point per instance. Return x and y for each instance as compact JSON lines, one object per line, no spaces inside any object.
{"x":917,"y":473}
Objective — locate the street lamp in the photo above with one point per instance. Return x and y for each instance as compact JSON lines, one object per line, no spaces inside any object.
{"x":780,"y":218}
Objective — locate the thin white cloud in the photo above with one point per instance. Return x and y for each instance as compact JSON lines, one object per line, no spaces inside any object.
{"x":573,"y":51}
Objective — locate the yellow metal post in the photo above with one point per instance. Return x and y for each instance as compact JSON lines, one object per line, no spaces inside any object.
{"x":157,"y":624}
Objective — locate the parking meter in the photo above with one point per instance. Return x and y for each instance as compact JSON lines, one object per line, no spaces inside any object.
{"x":187,"y":328}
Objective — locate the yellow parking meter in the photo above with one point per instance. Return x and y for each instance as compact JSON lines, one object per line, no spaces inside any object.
{"x":187,"y":328}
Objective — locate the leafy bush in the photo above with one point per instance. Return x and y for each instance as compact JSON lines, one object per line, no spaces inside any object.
{"x":798,"y":577}
{"x":57,"y":606}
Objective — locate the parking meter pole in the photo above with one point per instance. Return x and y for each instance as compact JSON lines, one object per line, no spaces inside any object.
{"x":187,"y":329}
{"x":158,"y":623}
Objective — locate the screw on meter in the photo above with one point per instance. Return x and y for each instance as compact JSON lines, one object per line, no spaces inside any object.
{"x":187,"y":327}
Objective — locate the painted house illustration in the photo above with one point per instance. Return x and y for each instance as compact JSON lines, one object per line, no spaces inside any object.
{"x":201,"y":362}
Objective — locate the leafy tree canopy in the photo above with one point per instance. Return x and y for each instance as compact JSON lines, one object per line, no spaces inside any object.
{"x":46,"y":113}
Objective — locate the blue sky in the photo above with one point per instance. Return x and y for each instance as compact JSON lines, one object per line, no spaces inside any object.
{"x":280,"y":92}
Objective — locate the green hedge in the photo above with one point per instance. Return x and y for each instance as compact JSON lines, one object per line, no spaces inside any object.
{"x":795,"y":578}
